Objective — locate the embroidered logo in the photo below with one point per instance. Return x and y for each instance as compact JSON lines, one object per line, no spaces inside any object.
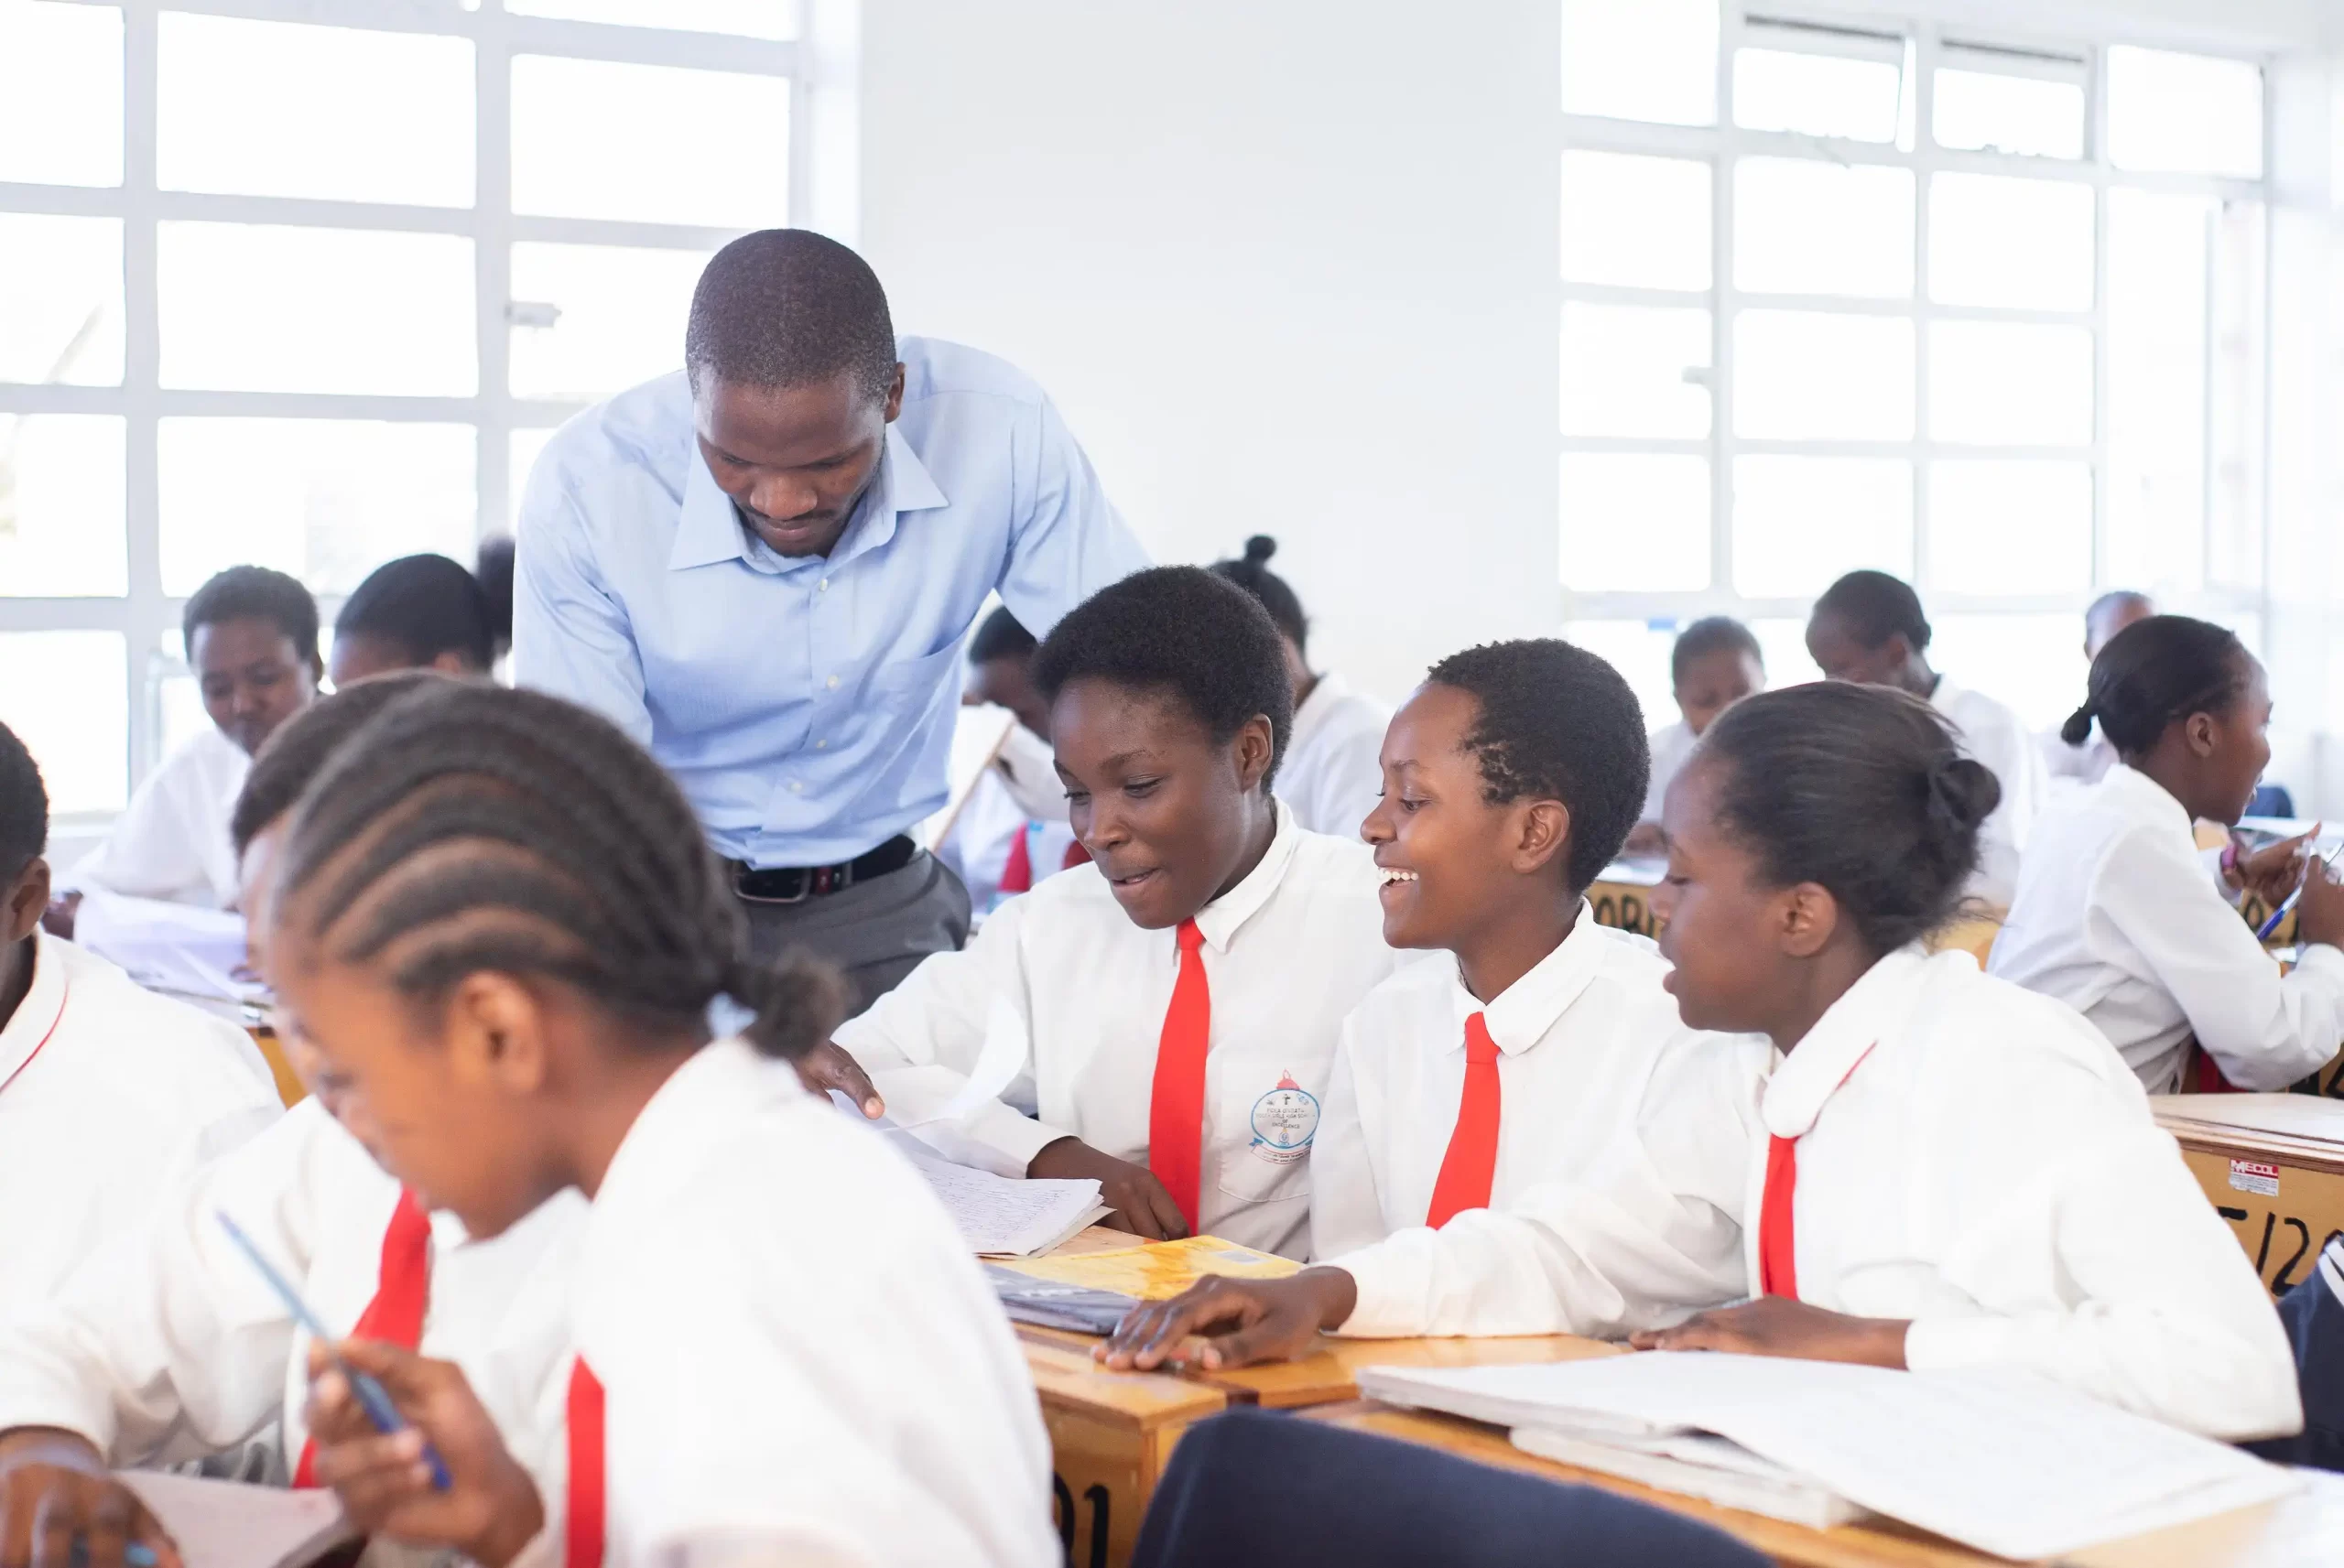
{"x":1285,"y":1121}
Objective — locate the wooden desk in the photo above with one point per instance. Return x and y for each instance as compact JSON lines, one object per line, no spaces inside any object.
{"x":1626,"y":905}
{"x":2273,"y":1165}
{"x":289,"y":1086}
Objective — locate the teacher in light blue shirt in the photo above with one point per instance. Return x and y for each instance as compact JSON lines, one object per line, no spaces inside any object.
{"x":763,"y":568}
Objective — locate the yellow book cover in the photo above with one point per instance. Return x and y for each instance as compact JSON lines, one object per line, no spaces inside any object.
{"x":1156,"y":1270}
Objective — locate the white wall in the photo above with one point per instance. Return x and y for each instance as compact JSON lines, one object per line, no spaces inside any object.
{"x":1286,"y":265}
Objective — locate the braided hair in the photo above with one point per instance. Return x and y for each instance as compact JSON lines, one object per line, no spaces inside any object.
{"x":472,"y":828}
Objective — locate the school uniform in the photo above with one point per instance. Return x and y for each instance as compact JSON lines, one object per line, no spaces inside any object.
{"x":1439,"y":1102}
{"x":1995,"y":736}
{"x":170,"y":1347}
{"x":1200,"y":1052}
{"x":1943,"y":1148}
{"x":1671,"y":745}
{"x":2065,"y":767}
{"x":1333,"y":772}
{"x":1012,"y":831}
{"x":2116,"y":917}
{"x":108,"y":1094}
{"x":171,"y":842}
{"x":784,"y":1352}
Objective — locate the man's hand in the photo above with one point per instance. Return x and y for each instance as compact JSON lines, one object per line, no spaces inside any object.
{"x":1776,"y":1326}
{"x":1139,"y":1200}
{"x":827,"y":1066}
{"x":1240,"y":1321}
{"x":59,"y":1506}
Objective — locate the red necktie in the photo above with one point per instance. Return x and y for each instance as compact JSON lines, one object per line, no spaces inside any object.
{"x":1175,"y":1116}
{"x":1017,"y":876}
{"x":582,"y":1538}
{"x":1471,"y":1163}
{"x":1777,"y":1228}
{"x":402,"y":1290}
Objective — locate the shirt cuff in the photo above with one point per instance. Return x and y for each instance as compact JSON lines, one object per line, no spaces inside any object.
{"x":2319,"y":958}
{"x":1392,"y":1280}
{"x":1016,"y":1138}
{"x":1943,"y":1344}
{"x":59,"y":1408}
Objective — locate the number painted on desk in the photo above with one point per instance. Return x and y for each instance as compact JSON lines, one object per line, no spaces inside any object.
{"x":1624,"y":911}
{"x":2280,"y":1281}
{"x":1100,"y":1498}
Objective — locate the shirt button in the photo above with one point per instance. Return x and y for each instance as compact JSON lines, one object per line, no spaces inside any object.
{"x":821,"y":746}
{"x":796,"y":787}
{"x":824,"y":587}
{"x":834,"y":683}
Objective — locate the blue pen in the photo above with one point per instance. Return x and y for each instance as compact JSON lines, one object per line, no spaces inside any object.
{"x":379,"y":1408}
{"x":2262,"y":932}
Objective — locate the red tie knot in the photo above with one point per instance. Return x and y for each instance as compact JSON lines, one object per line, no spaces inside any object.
{"x":1481,"y":1050}
{"x":1190,"y":937}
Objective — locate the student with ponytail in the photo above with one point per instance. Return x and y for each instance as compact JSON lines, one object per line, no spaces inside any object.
{"x":2116,"y":916}
{"x":498,"y":930}
{"x":1945,"y":1171}
{"x":422,"y":612}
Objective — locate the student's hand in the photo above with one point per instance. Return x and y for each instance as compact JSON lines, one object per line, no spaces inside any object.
{"x":2319,"y":916}
{"x":1139,"y":1200}
{"x":827,"y":1066}
{"x":490,"y":1510}
{"x":1240,"y":1321}
{"x":59,"y":917}
{"x":1645,"y":839}
{"x":2271,"y":872}
{"x":55,"y":1491}
{"x":1776,"y":1326}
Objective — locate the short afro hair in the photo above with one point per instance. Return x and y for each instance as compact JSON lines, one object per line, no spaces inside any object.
{"x":1182,"y":632}
{"x":1558,"y":723}
{"x":24,"y":807}
{"x":1876,"y":606}
{"x":786,"y":307}
{"x":1712,"y":634}
{"x":256,"y":593}
{"x":1001,"y":635}
{"x":1253,"y":575}
{"x":301,"y":746}
{"x":427,"y":606}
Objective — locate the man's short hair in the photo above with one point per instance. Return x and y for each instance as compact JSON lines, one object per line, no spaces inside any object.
{"x":786,"y":307}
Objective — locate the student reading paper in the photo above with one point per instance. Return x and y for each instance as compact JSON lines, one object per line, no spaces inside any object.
{"x":1714,"y":664}
{"x":2115,"y":915}
{"x":499,"y":931}
{"x":1946,"y":1171}
{"x":1510,"y":1056}
{"x":1182,"y":992}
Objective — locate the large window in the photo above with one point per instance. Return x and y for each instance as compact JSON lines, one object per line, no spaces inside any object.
{"x":309,"y":282}
{"x":1985,"y":311}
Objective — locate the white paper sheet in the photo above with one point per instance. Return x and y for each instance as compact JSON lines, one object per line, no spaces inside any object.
{"x":998,"y":1212}
{"x":226,"y":1524}
{"x":177,"y":947}
{"x":999,"y":1061}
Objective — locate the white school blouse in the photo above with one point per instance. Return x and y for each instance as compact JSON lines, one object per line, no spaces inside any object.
{"x":108,"y":1094}
{"x":1287,"y":952}
{"x":2117,"y":918}
{"x":171,"y":842}
{"x":1580,"y":1040}
{"x":1971,"y":1157}
{"x":169,"y":1347}
{"x":1018,"y":793}
{"x":1995,"y":736}
{"x":800,"y":1361}
{"x":1333,"y":772}
{"x":2065,"y":766}
{"x":1671,"y":745}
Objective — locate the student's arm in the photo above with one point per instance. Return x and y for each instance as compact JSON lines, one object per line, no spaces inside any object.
{"x":2262,"y":1029}
{"x":1067,"y":541}
{"x":571,"y":634}
{"x":154,"y":848}
{"x":1346,"y":1212}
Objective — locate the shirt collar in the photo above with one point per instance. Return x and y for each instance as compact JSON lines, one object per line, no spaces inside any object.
{"x":1221,"y":920}
{"x":1521,"y":1015}
{"x":37,"y":1016}
{"x":709,"y":528}
{"x":1873,"y":1009}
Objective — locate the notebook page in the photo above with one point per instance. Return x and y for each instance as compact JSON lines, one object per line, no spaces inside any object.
{"x":226,"y":1524}
{"x":998,"y":1214}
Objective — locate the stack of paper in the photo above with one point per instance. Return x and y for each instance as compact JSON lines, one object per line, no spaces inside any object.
{"x":1003,"y":1217}
{"x":176,"y":948}
{"x":2003,"y":1462}
{"x":1158,"y":1271}
{"x":226,"y":1524}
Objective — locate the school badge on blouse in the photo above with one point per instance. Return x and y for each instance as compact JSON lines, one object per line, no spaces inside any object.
{"x":1285,"y":1121}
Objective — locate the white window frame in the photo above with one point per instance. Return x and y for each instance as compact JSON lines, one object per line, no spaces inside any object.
{"x":1723,"y":144}
{"x":147,"y":614}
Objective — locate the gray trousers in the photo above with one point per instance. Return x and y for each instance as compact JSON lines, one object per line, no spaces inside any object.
{"x":875,"y":932}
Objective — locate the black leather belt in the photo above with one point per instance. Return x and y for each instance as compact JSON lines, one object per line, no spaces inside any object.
{"x":796,"y":885}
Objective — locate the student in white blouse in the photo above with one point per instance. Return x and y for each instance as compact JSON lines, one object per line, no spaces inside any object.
{"x":1946,"y":1171}
{"x":2115,"y":914}
{"x":1329,"y":776}
{"x":1868,"y":627}
{"x":1714,"y":664}
{"x":1012,"y":831}
{"x":2087,"y":762}
{"x":784,"y":1352}
{"x":1181,"y":995}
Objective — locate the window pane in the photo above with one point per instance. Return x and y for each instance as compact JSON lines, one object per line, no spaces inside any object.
{"x":523,"y":446}
{"x":2184,"y":112}
{"x":1801,"y":226}
{"x":61,"y":530}
{"x":1978,"y":110}
{"x":326,"y":500}
{"x":1999,"y":383}
{"x":1818,"y":95}
{"x":2160,"y":266}
{"x":693,"y":146}
{"x":1636,"y":522}
{"x":75,"y":720}
{"x":2033,"y":662}
{"x":1807,"y":375}
{"x":1624,"y":368}
{"x":1799,"y":523}
{"x":1639,"y":650}
{"x":1643,"y":222}
{"x":60,"y":300}
{"x":61,"y":94}
{"x":2010,"y":526}
{"x":381,"y":116}
{"x":617,"y":318}
{"x":745,"y":18}
{"x":2235,"y":508}
{"x":2024,"y":244}
{"x":1783,"y":640}
{"x":1642,"y":59}
{"x":247,"y":308}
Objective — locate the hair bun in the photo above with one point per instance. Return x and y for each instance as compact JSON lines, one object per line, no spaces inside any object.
{"x":2077,"y":729}
{"x":799,"y":1002}
{"x":1963,"y":792}
{"x":1260,"y":548}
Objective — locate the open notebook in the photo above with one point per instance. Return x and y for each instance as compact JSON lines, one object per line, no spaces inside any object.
{"x":226,"y":1524}
{"x":2005,"y":1462}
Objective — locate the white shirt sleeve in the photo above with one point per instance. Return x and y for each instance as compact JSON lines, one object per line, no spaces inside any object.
{"x":1346,"y":1211}
{"x":571,"y":636}
{"x":156,"y":847}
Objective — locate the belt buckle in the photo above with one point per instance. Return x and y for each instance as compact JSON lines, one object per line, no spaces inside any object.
{"x":742,"y":873}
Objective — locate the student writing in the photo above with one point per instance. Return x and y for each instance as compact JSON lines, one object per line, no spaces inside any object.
{"x":1945,"y":1172}
{"x":2115,"y":915}
{"x":1182,"y":992}
{"x":1714,"y":664}
{"x":421,"y":612}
